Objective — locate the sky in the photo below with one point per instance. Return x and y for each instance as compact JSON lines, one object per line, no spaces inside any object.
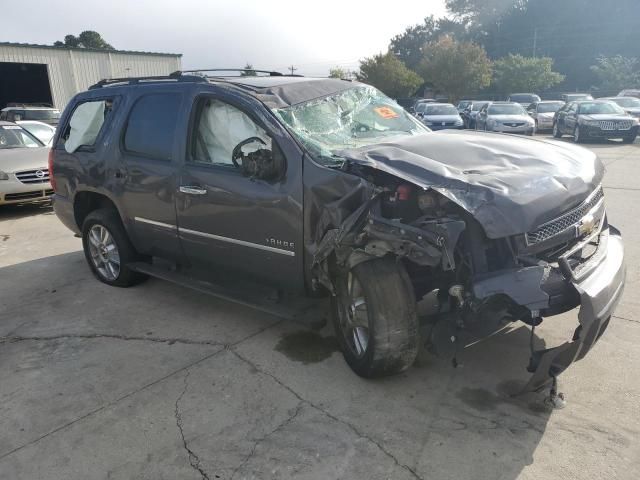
{"x":270,"y":34}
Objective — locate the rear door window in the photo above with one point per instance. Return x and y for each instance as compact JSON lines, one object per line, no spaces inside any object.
{"x":151,"y":128}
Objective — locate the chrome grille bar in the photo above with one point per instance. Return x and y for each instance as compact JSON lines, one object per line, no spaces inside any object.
{"x":564,"y":221}
{"x":40,"y":175}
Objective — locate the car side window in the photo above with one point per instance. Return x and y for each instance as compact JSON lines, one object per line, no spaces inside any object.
{"x":219,"y":130}
{"x":151,"y":126}
{"x":85,"y":124}
{"x":573,"y":108}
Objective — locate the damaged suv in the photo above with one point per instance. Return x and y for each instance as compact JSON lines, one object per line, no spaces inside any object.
{"x":328,"y":186}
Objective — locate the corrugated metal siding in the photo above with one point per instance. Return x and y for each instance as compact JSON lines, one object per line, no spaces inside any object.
{"x":72,"y":71}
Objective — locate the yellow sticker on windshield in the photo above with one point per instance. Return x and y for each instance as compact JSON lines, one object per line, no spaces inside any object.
{"x":386,"y":112}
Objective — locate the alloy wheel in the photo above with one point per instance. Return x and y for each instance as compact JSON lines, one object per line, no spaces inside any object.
{"x":355,"y":317}
{"x":104,"y":252}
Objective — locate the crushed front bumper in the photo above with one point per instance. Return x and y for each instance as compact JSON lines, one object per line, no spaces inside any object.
{"x":598,"y":283}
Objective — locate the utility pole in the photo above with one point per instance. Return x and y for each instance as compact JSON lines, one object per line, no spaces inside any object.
{"x":293,"y":69}
{"x":535,"y":40}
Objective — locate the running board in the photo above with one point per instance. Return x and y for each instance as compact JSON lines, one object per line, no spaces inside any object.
{"x":311,"y":312}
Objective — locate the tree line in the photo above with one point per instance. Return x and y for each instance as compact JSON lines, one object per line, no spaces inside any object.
{"x":496,"y":47}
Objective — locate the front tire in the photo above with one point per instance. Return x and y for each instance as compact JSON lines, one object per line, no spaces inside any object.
{"x":108,"y":249}
{"x":374,"y":316}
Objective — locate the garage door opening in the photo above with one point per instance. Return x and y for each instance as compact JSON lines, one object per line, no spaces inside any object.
{"x":24,"y":83}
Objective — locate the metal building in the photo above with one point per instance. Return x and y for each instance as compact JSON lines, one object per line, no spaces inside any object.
{"x":48,"y":74}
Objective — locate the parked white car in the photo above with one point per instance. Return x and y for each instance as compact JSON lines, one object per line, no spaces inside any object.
{"x":24,"y":176}
{"x":43,"y":131}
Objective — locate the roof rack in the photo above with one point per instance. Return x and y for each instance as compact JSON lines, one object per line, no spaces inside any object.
{"x":175,"y":77}
{"x":267,"y":72}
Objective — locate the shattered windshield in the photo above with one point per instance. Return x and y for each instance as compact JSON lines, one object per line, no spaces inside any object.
{"x":352,"y":118}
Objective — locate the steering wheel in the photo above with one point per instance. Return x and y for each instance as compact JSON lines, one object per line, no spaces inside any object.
{"x":237,"y":150}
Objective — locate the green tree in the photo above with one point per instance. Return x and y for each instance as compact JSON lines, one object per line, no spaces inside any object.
{"x":387,"y":73}
{"x":456,"y":68}
{"x":339,"y":72}
{"x":408,"y":46}
{"x":248,"y":71}
{"x":86,"y":39}
{"x":616,"y":73}
{"x":515,"y":73}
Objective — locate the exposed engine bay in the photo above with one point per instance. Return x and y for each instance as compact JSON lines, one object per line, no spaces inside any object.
{"x":447,"y":252}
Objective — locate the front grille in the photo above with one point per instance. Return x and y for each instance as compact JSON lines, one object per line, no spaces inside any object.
{"x":513,"y":124}
{"x":27,"y":195}
{"x":617,"y":125}
{"x":41,"y":175}
{"x":565,"y":221}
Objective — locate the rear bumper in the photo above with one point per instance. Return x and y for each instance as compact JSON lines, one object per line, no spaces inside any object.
{"x":63,"y":207}
{"x":597,"y":293}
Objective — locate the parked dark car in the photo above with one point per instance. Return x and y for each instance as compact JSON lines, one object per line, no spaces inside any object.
{"x":325,"y":186}
{"x":574,"y":97}
{"x":439,"y":116}
{"x":524,"y":99}
{"x":631,"y":105}
{"x":543,"y":113}
{"x":470,"y":113}
{"x":591,"y":119}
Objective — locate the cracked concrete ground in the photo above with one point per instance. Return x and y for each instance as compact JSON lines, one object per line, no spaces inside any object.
{"x":160,"y":382}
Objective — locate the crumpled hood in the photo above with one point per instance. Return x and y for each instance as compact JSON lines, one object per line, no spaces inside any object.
{"x":16,"y":159}
{"x":509,"y":184}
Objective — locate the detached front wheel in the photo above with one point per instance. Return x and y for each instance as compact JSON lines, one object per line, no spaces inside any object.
{"x":375,"y":318}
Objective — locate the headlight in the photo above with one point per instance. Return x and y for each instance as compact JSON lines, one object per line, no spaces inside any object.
{"x":4,"y":175}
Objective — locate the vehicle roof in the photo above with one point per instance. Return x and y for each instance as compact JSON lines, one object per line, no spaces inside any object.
{"x":276,"y":91}
{"x":34,"y":122}
{"x":617,"y":97}
{"x":524,"y":93}
{"x":549,"y":101}
{"x":4,"y":123}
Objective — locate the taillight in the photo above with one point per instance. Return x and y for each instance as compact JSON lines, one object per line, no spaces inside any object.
{"x":52,"y":180}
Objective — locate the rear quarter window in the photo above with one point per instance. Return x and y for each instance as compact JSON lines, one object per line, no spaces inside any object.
{"x":86,"y":123}
{"x":151,"y":127}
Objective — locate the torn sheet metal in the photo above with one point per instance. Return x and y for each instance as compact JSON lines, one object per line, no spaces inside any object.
{"x":509,"y":184}
{"x":599,"y":293}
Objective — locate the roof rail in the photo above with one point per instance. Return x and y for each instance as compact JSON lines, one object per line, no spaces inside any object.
{"x":268,"y":72}
{"x":175,"y":76}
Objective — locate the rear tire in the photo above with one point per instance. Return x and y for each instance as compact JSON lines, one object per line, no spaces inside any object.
{"x":108,"y":249}
{"x":375,"y":320}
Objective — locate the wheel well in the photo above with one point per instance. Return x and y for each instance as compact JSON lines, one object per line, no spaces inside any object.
{"x":86,"y":202}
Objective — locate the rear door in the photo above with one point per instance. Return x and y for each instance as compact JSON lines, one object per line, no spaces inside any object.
{"x":226,"y":219}
{"x":144,"y":173}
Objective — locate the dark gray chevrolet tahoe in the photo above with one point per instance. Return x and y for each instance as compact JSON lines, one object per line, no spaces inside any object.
{"x":326,"y":186}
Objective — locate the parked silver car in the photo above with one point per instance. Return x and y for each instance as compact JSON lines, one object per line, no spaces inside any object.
{"x":24,"y":174}
{"x":439,"y":116}
{"x":42,"y":130}
{"x":631,"y":105}
{"x":505,"y":117}
{"x":543,"y":113}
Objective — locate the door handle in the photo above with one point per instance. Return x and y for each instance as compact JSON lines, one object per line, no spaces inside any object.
{"x":191,"y":190}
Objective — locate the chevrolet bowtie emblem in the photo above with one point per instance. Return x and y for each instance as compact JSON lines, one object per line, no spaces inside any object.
{"x":587,"y":224}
